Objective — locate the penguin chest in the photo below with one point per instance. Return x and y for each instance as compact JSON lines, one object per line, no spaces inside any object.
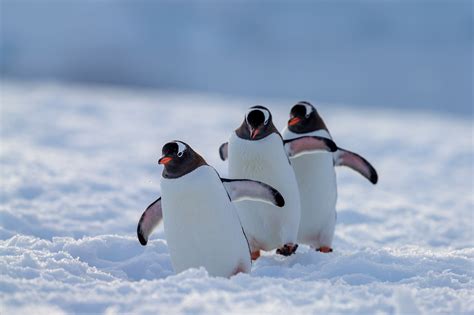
{"x":317,"y":185}
{"x":201,"y":225}
{"x":265,"y":160}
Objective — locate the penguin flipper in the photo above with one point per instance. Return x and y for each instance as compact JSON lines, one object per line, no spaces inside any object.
{"x":149,"y":220}
{"x":357,"y":163}
{"x":224,"y":151}
{"x":308,"y":144}
{"x":246,"y":189}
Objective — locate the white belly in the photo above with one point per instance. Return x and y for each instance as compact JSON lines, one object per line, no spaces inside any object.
{"x":318,"y":193}
{"x":267,"y":226}
{"x":201,"y":224}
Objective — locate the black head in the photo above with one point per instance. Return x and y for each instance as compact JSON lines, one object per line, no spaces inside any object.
{"x":305,"y":118}
{"x":257,"y":124}
{"x":179,"y":159}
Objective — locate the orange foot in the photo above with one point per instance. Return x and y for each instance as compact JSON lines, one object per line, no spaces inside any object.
{"x":324,"y":249}
{"x":255,"y":255}
{"x":287,"y":249}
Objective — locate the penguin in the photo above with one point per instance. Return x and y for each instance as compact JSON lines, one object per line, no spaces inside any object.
{"x":257,"y":151}
{"x":201,"y":225}
{"x":316,"y":177}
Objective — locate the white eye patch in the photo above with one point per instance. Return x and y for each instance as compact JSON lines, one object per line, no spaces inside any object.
{"x":181,"y":148}
{"x":267,"y":116}
{"x":308,"y":108}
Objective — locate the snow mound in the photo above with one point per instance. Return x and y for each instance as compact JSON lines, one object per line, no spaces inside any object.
{"x":111,"y":273}
{"x":78,"y":166}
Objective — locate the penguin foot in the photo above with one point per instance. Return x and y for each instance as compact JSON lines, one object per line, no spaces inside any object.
{"x":287,"y":249}
{"x":324,"y":249}
{"x":255,"y":255}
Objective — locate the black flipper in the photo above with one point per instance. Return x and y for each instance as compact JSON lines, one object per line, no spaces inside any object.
{"x":357,"y":163}
{"x":246,"y":189}
{"x":149,"y":221}
{"x":224,"y":151}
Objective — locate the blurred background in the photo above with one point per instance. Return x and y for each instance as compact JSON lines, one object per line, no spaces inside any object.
{"x":396,"y":54}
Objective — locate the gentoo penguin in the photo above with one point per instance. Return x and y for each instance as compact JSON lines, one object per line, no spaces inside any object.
{"x":201,"y":225}
{"x":317,"y":179}
{"x":257,"y":151}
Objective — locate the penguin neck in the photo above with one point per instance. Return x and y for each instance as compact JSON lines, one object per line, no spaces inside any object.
{"x":243,"y":131}
{"x":176,"y":171}
{"x":288,"y":134}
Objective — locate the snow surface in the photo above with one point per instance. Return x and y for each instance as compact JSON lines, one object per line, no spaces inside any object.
{"x":79,"y":165}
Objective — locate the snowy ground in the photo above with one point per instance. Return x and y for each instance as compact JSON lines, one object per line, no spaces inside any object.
{"x":78,"y":166}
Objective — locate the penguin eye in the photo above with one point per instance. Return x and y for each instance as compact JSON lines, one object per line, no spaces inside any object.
{"x":181,"y":148}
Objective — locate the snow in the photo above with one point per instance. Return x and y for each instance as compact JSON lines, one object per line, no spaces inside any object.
{"x":79,"y":165}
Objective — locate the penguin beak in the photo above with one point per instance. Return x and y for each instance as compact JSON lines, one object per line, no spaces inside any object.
{"x":164,"y":160}
{"x":254,"y":133}
{"x":293,"y":121}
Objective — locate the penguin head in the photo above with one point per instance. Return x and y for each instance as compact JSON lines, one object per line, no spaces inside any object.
{"x":179,"y":159}
{"x":258,"y":123}
{"x":305,"y":118}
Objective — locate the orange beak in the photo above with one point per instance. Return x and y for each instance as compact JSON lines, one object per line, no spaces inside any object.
{"x":164,"y":160}
{"x":293,"y":121}
{"x":254,"y":133}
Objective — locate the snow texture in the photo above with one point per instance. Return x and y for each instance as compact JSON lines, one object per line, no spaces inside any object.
{"x":78,"y":167}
